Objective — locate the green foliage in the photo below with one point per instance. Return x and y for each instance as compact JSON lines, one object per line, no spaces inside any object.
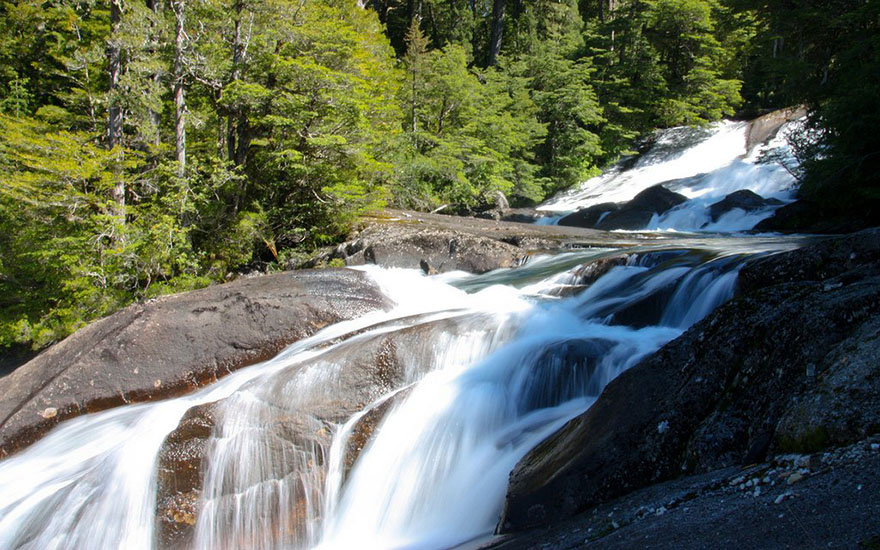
{"x":299,"y":119}
{"x":469,"y":136}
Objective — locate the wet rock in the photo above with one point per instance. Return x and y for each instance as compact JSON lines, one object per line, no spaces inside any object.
{"x":174,"y":344}
{"x":742,"y":199}
{"x":723,"y":390}
{"x":589,"y":217}
{"x":637,"y":213}
{"x":179,"y":479}
{"x":288,"y":428}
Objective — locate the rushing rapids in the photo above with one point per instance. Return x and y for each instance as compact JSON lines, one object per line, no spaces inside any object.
{"x":704,"y":165}
{"x":446,"y":392}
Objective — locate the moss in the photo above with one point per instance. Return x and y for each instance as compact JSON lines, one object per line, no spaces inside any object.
{"x":810,"y":441}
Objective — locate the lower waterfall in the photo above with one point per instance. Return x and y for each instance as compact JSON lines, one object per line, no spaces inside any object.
{"x":481,"y":369}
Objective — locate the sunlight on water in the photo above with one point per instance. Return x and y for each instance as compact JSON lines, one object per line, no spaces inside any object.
{"x":706,"y":166}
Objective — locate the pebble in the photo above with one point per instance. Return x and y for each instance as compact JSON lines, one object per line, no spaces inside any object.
{"x":660,"y":511}
{"x":794,"y":478}
{"x":615,"y":525}
{"x":875,"y":446}
{"x":782,"y":497}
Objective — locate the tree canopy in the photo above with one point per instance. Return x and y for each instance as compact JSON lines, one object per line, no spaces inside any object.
{"x":153,"y":146}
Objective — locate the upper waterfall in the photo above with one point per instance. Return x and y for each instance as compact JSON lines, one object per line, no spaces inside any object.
{"x":702,"y":164}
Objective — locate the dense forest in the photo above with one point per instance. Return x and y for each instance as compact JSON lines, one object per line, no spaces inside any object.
{"x":154,"y":146}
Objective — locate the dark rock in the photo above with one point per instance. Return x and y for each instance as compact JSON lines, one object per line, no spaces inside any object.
{"x":823,"y":259}
{"x":13,"y":357}
{"x":174,"y":344}
{"x":833,"y":506}
{"x":806,"y":216}
{"x":590,"y":216}
{"x":637,"y":213}
{"x":733,"y":388}
{"x":742,"y":199}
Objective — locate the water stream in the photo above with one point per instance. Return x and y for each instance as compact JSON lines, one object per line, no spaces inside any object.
{"x":448,"y":391}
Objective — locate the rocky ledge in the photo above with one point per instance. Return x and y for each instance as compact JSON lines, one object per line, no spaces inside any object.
{"x":790,"y":366}
{"x":174,"y":344}
{"x":437,"y":243}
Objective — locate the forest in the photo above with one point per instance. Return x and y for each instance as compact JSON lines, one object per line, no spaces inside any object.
{"x":156,"y":146}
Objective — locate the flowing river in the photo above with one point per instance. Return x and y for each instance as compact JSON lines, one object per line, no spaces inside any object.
{"x":485,"y":368}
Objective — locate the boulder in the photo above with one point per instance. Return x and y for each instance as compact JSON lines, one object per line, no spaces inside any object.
{"x":174,"y":344}
{"x":787,"y":366}
{"x":433,"y":250}
{"x":590,"y":216}
{"x":637,"y":213}
{"x":742,"y":199}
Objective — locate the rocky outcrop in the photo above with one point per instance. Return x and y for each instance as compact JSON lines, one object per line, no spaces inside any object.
{"x":171,"y":345}
{"x":632,"y":215}
{"x":432,"y":250}
{"x":765,"y":127}
{"x":590,"y":216}
{"x":295,"y":427}
{"x":788,"y":366}
{"x":743,"y":199}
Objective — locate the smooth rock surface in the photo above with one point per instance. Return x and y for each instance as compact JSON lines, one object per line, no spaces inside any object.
{"x":174,"y":344}
{"x":742,"y":199}
{"x":637,"y":213}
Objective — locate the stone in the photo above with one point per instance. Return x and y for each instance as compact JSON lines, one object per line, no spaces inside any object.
{"x":589,"y":217}
{"x":174,"y":344}
{"x":637,"y":213}
{"x":744,"y":200}
{"x":725,"y":387}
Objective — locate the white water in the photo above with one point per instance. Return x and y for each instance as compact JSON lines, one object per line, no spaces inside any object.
{"x":704,"y":165}
{"x":486,"y":367}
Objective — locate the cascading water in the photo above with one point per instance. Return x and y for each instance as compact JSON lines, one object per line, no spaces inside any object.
{"x":704,"y":165}
{"x":399,"y":429}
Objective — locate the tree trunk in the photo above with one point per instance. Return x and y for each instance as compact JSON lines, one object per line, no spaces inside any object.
{"x":179,"y":90}
{"x":238,"y":53}
{"x":497,"y":31}
{"x":155,"y":116}
{"x":114,"y":122}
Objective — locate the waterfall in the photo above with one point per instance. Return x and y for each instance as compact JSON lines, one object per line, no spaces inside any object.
{"x":399,"y":429}
{"x":480,"y":377}
{"x":704,"y":165}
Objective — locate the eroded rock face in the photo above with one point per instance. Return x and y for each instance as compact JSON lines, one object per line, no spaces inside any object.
{"x":287,"y":421}
{"x":174,"y":344}
{"x":179,"y":479}
{"x":788,"y":366}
